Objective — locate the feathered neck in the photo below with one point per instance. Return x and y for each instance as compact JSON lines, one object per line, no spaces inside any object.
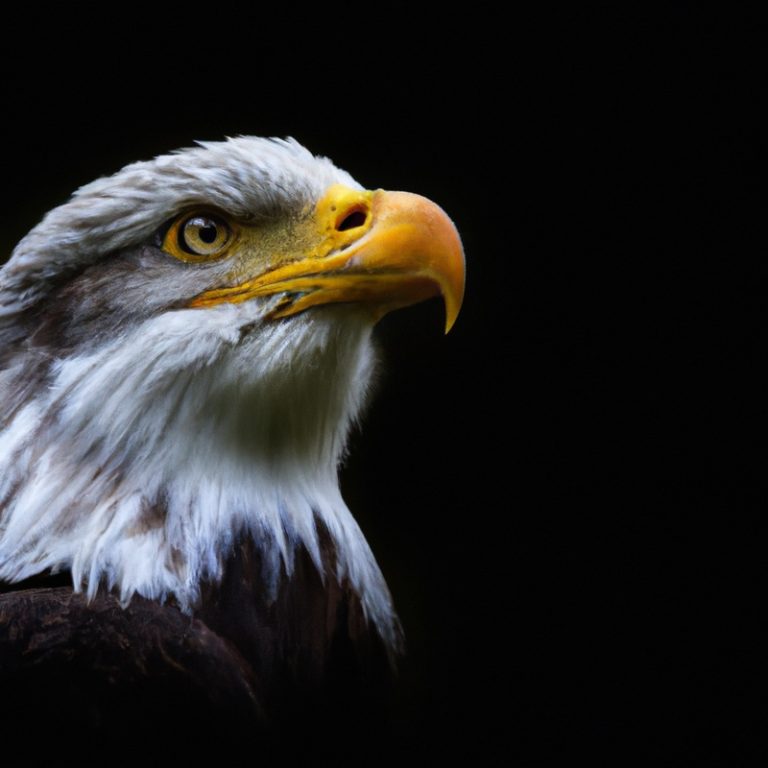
{"x":138,"y":463}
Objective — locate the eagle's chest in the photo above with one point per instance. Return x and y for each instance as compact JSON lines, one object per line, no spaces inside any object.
{"x":307,"y":645}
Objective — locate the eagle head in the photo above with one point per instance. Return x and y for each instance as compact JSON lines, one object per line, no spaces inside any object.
{"x":183,"y":348}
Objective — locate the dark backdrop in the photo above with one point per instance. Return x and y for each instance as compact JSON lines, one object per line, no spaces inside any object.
{"x":562,"y":493}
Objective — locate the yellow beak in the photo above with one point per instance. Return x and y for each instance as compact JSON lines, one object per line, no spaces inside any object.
{"x":386,"y":249}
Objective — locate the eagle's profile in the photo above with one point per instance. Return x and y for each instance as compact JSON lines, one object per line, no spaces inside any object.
{"x":183,"y":348}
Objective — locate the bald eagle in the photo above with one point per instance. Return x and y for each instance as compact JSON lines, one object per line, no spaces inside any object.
{"x":183,"y":349}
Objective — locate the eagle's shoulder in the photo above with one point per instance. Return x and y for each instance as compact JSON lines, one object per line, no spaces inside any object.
{"x":67,"y":665}
{"x":304,"y":652}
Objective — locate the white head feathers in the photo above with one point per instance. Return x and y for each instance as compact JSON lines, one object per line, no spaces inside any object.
{"x":249,"y":177}
{"x":136,"y":459}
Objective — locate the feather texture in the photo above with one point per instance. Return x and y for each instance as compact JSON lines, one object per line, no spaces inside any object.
{"x":140,"y":439}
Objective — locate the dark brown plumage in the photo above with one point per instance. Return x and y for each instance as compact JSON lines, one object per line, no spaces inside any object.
{"x":244,"y":670}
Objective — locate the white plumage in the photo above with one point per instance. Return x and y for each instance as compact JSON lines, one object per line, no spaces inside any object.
{"x":146,"y":430}
{"x":249,"y":177}
{"x":147,"y":416}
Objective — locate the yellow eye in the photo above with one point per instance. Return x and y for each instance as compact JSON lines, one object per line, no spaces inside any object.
{"x":198,"y":237}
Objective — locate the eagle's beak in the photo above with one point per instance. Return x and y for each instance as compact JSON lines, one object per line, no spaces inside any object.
{"x":385,"y":249}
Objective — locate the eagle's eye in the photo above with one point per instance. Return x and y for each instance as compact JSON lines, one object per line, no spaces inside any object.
{"x":198,"y":237}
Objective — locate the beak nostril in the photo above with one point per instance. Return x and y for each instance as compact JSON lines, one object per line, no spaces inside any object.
{"x":352,"y":220}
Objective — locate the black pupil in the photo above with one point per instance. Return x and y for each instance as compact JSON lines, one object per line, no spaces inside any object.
{"x":207,"y":233}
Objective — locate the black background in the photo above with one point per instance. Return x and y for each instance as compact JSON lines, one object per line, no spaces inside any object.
{"x":562,"y":492}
